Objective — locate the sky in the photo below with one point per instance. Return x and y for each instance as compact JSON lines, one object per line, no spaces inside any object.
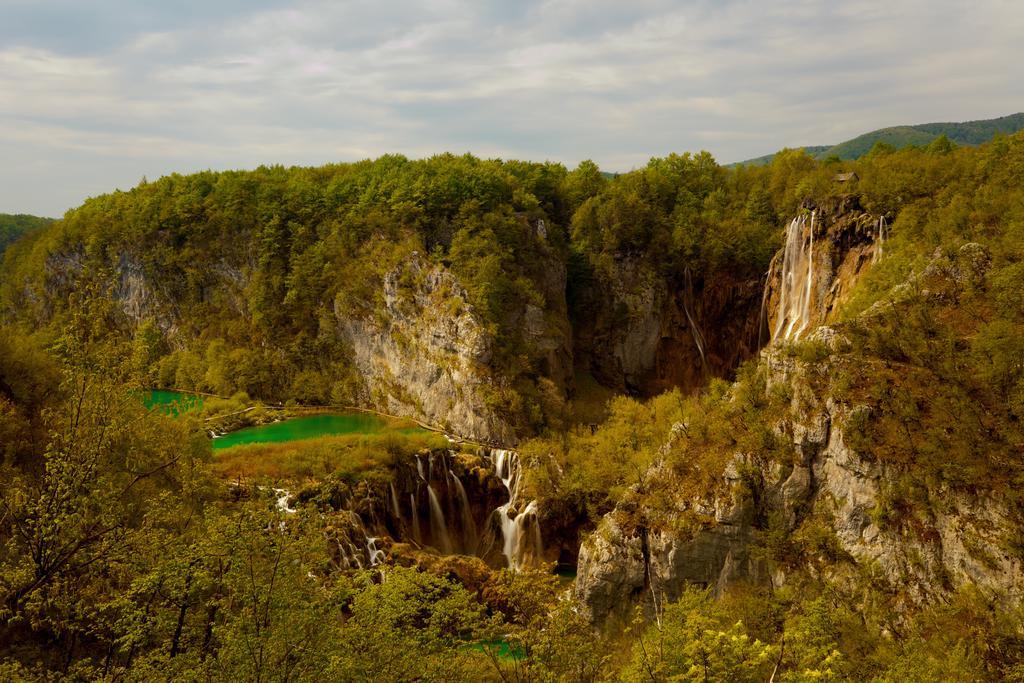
{"x":97,"y":94}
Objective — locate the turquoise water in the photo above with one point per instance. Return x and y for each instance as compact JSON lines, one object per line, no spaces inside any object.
{"x":172,"y":402}
{"x":309,"y":427}
{"x":503,"y":647}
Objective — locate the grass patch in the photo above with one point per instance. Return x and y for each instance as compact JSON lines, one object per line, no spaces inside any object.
{"x":350,"y":455}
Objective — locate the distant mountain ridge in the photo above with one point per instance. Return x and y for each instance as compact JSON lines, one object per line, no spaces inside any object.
{"x":962,"y":133}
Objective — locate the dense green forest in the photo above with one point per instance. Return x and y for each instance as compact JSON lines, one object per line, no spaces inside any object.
{"x":920,"y":135}
{"x":13,"y":226}
{"x":126,"y":553}
{"x":253,"y":269}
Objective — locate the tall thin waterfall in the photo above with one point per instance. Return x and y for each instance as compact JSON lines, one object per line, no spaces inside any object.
{"x":416,"y":534}
{"x":468,"y":526}
{"x":438,"y":528}
{"x":879,"y":239}
{"x":698,"y":338}
{"x":797,"y":283}
{"x":394,"y":502}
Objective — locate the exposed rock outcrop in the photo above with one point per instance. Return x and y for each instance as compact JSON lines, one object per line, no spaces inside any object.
{"x":961,"y":539}
{"x":957,"y":537}
{"x":425,"y":353}
{"x":641,"y":332}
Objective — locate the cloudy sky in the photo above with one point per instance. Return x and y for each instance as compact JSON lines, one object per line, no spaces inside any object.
{"x":96,"y":94}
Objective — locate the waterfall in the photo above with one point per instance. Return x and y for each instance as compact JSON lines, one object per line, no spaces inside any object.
{"x":450,"y":525}
{"x":468,"y":526}
{"x":762,"y":318}
{"x":355,"y":555}
{"x":417,"y":536}
{"x":520,"y":534}
{"x":394,"y":502}
{"x":438,"y":528}
{"x":281,"y":501}
{"x":376,"y":556}
{"x":797,"y":280}
{"x":698,"y":338}
{"x":879,"y":239}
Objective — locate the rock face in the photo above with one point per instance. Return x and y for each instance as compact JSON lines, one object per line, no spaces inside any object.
{"x":139,"y":300}
{"x":618,"y":569}
{"x":960,"y":538}
{"x":425,"y":354}
{"x":960,"y":541}
{"x":643,"y":333}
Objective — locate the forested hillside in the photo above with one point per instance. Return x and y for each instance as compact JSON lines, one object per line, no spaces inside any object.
{"x":13,"y":226}
{"x":289,"y":283}
{"x":920,"y":135}
{"x":753,"y":452}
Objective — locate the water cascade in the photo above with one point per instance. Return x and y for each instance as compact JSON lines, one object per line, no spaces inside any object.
{"x":521,"y":539}
{"x":462,"y":511}
{"x":394,"y":502}
{"x":281,"y":497}
{"x":417,"y":536}
{"x":468,"y":525}
{"x":438,"y":528}
{"x":698,"y":338}
{"x":797,"y":282}
{"x":806,"y":280}
{"x":376,"y":555}
{"x":879,"y":239}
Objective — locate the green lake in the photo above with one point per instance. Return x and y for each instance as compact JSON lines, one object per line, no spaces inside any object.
{"x":311,"y":427}
{"x":293,"y":429}
{"x":172,"y":402}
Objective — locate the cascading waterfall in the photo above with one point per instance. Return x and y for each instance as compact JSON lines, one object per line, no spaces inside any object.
{"x":281,"y":497}
{"x":451,"y":524}
{"x":376,"y":556}
{"x":468,"y":526}
{"x":438,"y":528}
{"x":520,"y":534}
{"x":796,"y":285}
{"x":797,"y":282}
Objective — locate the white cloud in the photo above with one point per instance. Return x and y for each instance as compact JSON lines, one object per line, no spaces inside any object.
{"x":236,"y":84}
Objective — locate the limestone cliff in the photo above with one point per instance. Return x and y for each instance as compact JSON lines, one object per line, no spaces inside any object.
{"x":962,"y":538}
{"x":832,"y":486}
{"x":641,"y":332}
{"x":425,"y":353}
